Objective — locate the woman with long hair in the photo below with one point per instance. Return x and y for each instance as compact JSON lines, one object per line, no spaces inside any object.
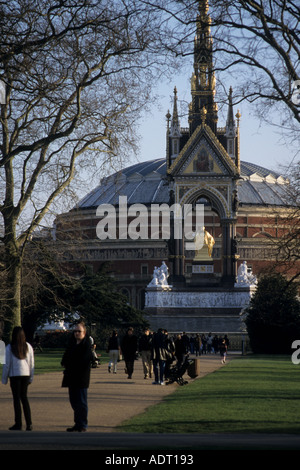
{"x":19,"y":368}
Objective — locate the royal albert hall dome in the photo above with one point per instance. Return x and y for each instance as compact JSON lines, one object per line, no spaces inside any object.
{"x":146,"y":183}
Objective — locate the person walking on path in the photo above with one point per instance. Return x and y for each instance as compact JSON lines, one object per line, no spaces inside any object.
{"x":129,"y":347}
{"x":77,"y":361}
{"x":198,"y":344}
{"x":113,"y":350}
{"x":145,"y":348}
{"x":19,"y":368}
{"x":223,"y":351}
{"x":170,"y":354}
{"x":159,"y":347}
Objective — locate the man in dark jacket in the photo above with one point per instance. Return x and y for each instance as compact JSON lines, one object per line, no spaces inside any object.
{"x":77,"y":361}
{"x":129,"y":347}
{"x":159,"y":354}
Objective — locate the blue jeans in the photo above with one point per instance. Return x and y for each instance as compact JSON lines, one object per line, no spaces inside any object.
{"x":78,"y":400}
{"x":159,"y":369}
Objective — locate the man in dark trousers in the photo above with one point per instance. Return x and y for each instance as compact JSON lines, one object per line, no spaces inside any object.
{"x":159,"y":348}
{"x":77,"y":361}
{"x":129,"y":347}
{"x":145,"y":348}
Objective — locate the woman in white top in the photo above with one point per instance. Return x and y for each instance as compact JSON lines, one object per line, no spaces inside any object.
{"x":19,"y":367}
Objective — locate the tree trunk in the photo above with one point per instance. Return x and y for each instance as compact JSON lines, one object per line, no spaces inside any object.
{"x":13,"y":267}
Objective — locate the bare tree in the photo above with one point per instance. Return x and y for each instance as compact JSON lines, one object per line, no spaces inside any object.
{"x":261,"y":40}
{"x":76,"y":75}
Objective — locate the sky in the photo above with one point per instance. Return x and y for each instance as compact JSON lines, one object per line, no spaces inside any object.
{"x":259,"y":143}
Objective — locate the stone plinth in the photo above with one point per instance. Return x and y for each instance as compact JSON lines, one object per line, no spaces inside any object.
{"x":196,"y":310}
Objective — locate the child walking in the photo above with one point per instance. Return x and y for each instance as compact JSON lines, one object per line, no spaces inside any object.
{"x":223,"y":351}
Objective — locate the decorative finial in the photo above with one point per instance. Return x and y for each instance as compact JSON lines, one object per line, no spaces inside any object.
{"x":175,"y":119}
{"x":168,"y":117}
{"x":203,"y":115}
{"x":238,"y":117}
{"x":203,"y":6}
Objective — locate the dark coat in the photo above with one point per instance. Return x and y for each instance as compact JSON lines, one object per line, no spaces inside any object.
{"x":129,"y":347}
{"x":77,"y":361}
{"x":145,"y":343}
{"x":180,"y":348}
{"x":159,"y":346}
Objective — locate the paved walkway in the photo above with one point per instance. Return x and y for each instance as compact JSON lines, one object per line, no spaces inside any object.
{"x":112,"y":399}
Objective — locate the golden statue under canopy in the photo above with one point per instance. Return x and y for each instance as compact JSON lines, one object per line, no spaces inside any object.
{"x":204,"y":237}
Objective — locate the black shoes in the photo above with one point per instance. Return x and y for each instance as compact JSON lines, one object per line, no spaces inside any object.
{"x":15,"y":427}
{"x":76,"y":429}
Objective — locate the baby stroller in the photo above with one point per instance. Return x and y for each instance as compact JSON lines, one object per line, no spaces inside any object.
{"x":96,"y":361}
{"x":177,"y":371}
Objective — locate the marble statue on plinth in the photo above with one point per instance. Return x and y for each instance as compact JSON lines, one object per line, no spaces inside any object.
{"x":245,"y":277}
{"x":160,"y":277}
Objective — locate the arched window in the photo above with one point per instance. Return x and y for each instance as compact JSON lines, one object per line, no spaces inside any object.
{"x":125,"y":291}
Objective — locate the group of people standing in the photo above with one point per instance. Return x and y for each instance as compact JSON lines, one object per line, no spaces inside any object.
{"x":157,"y":350}
{"x":207,"y":343}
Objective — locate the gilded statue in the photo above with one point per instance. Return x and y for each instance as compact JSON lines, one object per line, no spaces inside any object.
{"x":204,"y":237}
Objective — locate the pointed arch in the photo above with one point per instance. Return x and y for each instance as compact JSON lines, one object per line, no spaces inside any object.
{"x":217,"y":200}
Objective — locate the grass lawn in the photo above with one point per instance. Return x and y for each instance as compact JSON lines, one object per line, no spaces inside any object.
{"x":251,"y":394}
{"x":49,"y":360}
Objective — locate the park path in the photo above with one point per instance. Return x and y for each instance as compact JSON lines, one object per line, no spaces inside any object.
{"x":112,"y":398}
